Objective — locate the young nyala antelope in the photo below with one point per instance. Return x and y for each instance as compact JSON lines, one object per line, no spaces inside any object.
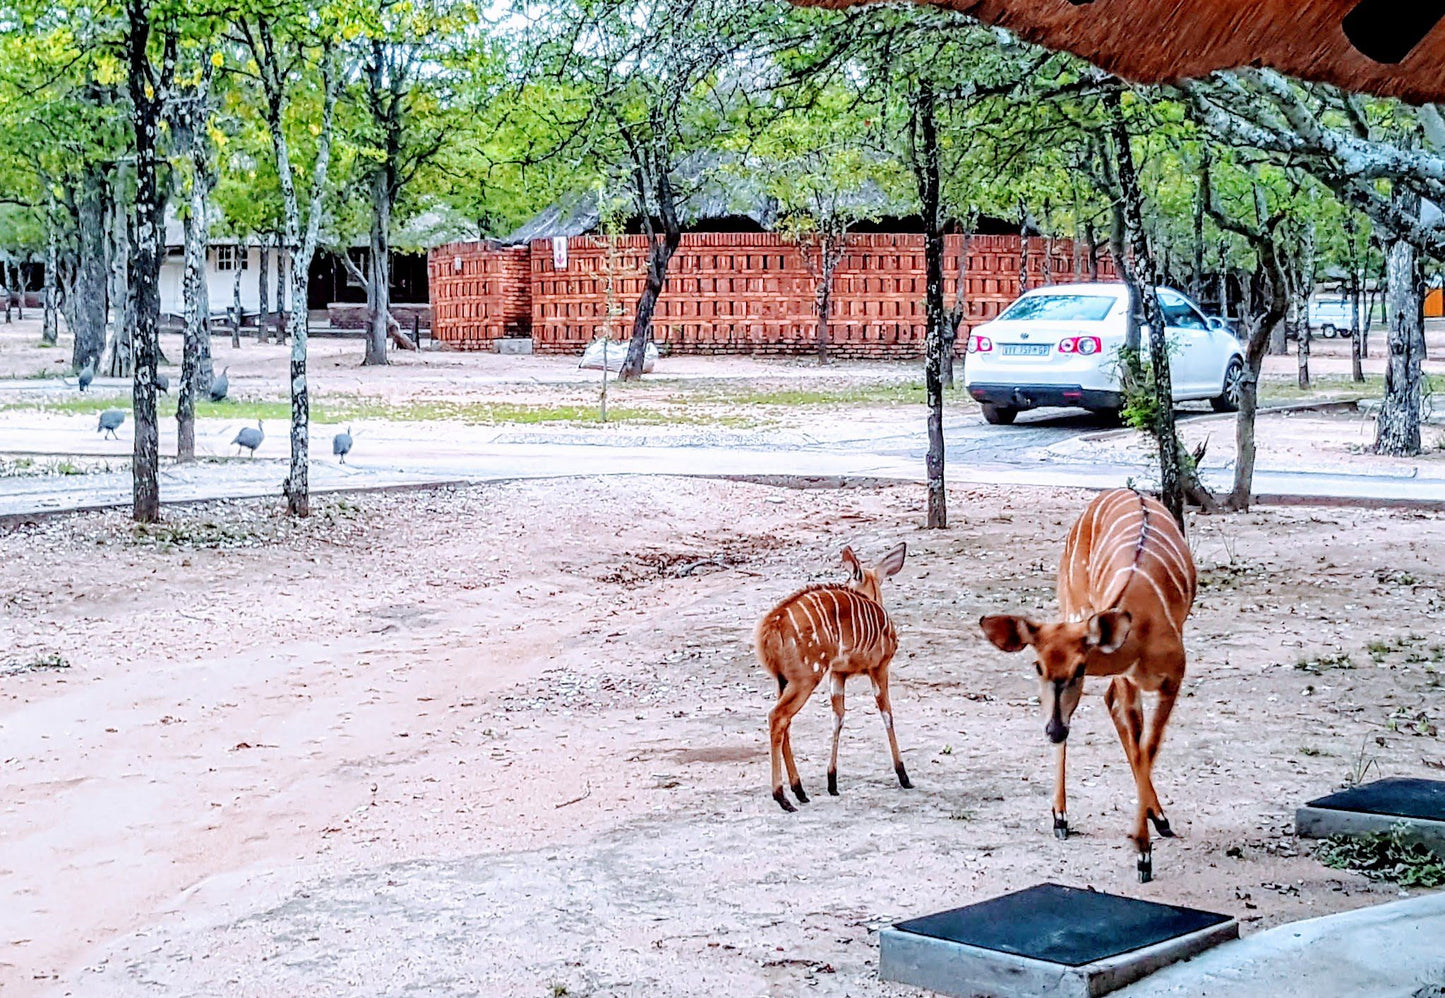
{"x":835,"y":631}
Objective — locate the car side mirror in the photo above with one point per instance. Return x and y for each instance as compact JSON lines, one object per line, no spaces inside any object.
{"x":1215,"y":322}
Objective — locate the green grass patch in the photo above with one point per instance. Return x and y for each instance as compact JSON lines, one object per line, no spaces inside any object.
{"x":1276,"y":391}
{"x":47,"y":661}
{"x":1322,"y":663}
{"x":888,"y":393}
{"x":362,"y":408}
{"x":29,"y":467}
{"x":1389,"y":856}
{"x":1381,"y":648}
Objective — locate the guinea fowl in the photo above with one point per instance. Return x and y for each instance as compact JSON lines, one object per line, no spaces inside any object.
{"x":249,"y":439}
{"x":163,"y":383}
{"x":87,"y":375}
{"x":341,"y":444}
{"x":110,"y":421}
{"x":220,"y":386}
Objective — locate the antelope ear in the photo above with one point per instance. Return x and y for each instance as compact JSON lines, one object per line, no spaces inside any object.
{"x":850,"y":562}
{"x":1108,"y":631}
{"x":1008,"y":632}
{"x":893,"y":561}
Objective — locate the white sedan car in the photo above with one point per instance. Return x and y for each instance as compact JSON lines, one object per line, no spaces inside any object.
{"x":1059,"y":346}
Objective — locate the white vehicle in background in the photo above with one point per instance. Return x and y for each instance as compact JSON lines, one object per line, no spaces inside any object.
{"x":1059,"y":346}
{"x":1331,"y":315}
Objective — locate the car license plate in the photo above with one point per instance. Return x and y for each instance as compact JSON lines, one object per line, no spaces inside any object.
{"x":1026,"y":349}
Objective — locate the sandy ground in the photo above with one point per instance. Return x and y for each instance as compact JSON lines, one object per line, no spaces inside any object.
{"x":1334,"y":440}
{"x":488,"y":741}
{"x":260,"y":371}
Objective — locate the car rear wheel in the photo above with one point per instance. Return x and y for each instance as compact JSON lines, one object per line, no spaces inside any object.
{"x":1228,"y":398}
{"x":1328,"y":331}
{"x":998,"y":415}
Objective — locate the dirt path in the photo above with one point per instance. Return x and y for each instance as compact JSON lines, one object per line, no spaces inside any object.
{"x":475,"y":742}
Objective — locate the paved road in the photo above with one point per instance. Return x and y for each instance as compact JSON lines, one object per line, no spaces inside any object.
{"x":392,"y":454}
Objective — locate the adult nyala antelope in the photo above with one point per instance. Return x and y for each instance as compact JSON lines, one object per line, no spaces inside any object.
{"x":835,"y":631}
{"x":1126,"y":583}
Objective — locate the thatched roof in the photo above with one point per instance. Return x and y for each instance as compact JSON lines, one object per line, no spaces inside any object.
{"x":1385,"y":47}
{"x":712,"y":198}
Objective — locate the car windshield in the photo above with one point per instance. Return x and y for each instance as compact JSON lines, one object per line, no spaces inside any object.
{"x":1063,"y":308}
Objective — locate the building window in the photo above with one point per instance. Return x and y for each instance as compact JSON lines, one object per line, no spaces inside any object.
{"x":230,"y":258}
{"x":358,"y":258}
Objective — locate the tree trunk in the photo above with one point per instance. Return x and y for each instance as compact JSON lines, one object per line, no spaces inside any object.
{"x":1369,"y":317}
{"x":1302,"y":355}
{"x":1048,"y":257}
{"x":1244,"y":447}
{"x":955,"y":321}
{"x":147,"y":104}
{"x":1023,"y":249}
{"x":1397,"y":428}
{"x":825,"y":301}
{"x":1171,"y":467}
{"x":50,"y":327}
{"x":298,"y":485}
{"x":384,"y":99}
{"x":1078,"y":244}
{"x":119,"y":359}
{"x":378,"y":282}
{"x":85,"y":301}
{"x":1260,"y":319}
{"x":930,"y":194}
{"x":1304,"y":289}
{"x":283,"y":290}
{"x":263,"y":289}
{"x":6,"y":289}
{"x":1357,"y":369}
{"x":1132,"y":367}
{"x":243,"y":251}
{"x":1198,"y":284}
{"x":195,"y":378}
{"x":1090,"y":235}
{"x":659,"y":255}
{"x":301,"y":248}
{"x":1223,"y":291}
{"x":1279,"y":338}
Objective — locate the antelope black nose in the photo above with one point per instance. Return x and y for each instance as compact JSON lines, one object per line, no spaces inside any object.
{"x":1057,"y":732}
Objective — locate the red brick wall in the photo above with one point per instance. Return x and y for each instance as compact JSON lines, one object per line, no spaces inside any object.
{"x":732,"y":292}
{"x":479,"y":293}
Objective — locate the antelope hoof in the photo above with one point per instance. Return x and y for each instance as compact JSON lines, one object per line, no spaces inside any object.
{"x":1061,"y":826}
{"x":782,"y":800}
{"x":1146,"y":867}
{"x":1161,"y":825}
{"x":833,"y":782}
{"x":798,"y":793}
{"x":903,"y":780}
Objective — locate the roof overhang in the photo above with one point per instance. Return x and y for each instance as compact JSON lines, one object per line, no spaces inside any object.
{"x":1393,"y":48}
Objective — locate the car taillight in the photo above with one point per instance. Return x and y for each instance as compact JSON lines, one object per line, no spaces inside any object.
{"x":1086,"y":345}
{"x":979,"y":344}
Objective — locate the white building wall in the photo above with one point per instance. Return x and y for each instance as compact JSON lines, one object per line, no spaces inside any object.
{"x":220,"y":283}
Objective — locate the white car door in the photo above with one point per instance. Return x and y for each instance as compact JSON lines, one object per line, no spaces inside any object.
{"x":1191,"y":356}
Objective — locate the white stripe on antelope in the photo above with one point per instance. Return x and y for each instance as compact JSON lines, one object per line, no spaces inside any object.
{"x":1126,"y":585}
{"x":840,"y":630}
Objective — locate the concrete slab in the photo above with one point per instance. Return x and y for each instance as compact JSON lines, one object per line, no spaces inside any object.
{"x":1047,"y":940}
{"x":514,"y":346}
{"x":1387,"y":951}
{"x":1417,"y":805}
